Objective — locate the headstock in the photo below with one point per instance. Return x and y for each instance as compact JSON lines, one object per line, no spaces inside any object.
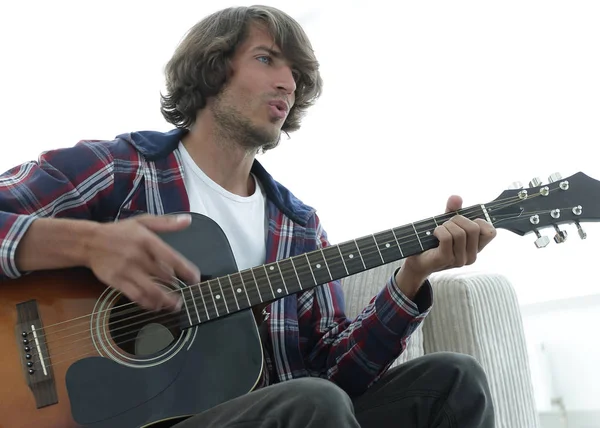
{"x":570,"y":200}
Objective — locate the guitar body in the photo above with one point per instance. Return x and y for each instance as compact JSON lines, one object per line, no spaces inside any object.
{"x":99,"y":373}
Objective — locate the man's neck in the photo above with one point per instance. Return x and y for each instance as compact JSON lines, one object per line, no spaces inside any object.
{"x":226,"y":162}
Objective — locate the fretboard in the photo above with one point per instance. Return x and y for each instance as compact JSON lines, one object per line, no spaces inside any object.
{"x":262,"y":284}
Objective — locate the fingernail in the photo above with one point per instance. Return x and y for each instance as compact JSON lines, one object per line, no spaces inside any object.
{"x":183,"y":218}
{"x":179,"y":305}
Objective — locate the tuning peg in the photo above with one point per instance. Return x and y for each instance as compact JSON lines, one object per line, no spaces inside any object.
{"x":561,"y":235}
{"x":541,"y":241}
{"x":580,"y":231}
{"x":515,"y":185}
{"x":554,"y":177}
{"x":535,"y":182}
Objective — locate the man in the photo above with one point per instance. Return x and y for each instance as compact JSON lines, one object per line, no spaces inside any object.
{"x":239,"y":78}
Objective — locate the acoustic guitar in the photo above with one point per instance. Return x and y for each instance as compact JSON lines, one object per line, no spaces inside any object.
{"x":74,"y":352}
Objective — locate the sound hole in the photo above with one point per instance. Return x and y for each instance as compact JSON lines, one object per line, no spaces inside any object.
{"x":139,"y":332}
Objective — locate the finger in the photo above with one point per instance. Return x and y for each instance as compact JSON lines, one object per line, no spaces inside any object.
{"x":173,"y":260}
{"x":444,"y":249}
{"x":164,"y":223}
{"x":472,"y":231}
{"x":487,"y":233}
{"x":135,"y":294}
{"x":153,"y":296}
{"x":454,"y":203}
{"x":459,"y":243}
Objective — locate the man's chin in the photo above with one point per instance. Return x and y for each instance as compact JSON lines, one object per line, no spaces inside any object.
{"x":262,"y":136}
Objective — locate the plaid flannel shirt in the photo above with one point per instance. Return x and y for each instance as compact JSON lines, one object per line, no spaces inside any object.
{"x":308,"y":333}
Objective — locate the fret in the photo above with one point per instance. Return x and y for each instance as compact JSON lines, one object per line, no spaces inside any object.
{"x":351,"y":257}
{"x":311,"y":271}
{"x":360,"y":254}
{"x":342,"y":259}
{"x":318,"y":266}
{"x":225,"y":294}
{"x":378,"y":250}
{"x":276,"y":280}
{"x":408,"y":241}
{"x":185,"y":305}
{"x":397,"y":243}
{"x":262,"y":282}
{"x":388,"y":246}
{"x":326,"y":263}
{"x":335,"y":262}
{"x":201,"y":292}
{"x":425,"y":231}
{"x":289,"y":275}
{"x":238,"y":289}
{"x":213,"y":297}
{"x":369,"y":252}
{"x":190,"y":291}
{"x":417,"y":235}
{"x":251,"y":287}
{"x":303,"y":272}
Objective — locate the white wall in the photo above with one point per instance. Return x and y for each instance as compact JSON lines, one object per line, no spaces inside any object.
{"x":565,"y":351}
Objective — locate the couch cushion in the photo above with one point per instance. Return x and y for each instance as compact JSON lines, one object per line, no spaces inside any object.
{"x":479,"y":315}
{"x":359,"y":289}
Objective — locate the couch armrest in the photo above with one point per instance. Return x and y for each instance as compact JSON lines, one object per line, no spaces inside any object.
{"x":479,"y":315}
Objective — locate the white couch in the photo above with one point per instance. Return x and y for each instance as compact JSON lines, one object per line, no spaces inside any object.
{"x":473,"y":314}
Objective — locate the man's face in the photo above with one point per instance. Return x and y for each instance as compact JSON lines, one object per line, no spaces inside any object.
{"x":258,"y":94}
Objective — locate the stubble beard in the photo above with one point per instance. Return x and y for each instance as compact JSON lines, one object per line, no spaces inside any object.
{"x":234,"y":127}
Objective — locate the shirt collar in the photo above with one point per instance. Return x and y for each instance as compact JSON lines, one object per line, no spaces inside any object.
{"x":155,"y":145}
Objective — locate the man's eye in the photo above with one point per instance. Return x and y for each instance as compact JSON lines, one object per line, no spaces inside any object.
{"x":296,"y":75}
{"x":265,"y":58}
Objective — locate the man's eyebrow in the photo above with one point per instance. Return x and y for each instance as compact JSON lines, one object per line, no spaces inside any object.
{"x":272,"y":52}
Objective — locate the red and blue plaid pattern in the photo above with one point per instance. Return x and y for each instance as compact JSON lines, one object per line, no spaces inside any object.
{"x":309,"y":333}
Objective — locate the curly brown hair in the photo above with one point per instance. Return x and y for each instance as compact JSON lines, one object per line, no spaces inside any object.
{"x":201,"y":63}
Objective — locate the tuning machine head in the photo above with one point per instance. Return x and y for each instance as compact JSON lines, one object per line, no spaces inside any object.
{"x":535,"y":182}
{"x":541,"y":241}
{"x":580,"y":231}
{"x":561,"y":235}
{"x":554,"y":177}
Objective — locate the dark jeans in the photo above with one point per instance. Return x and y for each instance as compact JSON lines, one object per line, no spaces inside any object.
{"x":438,"y":390}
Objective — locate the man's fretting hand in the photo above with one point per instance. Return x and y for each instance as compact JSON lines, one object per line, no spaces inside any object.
{"x":460,"y":241}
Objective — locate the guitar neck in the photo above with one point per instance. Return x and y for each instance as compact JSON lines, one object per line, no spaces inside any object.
{"x":259,"y":285}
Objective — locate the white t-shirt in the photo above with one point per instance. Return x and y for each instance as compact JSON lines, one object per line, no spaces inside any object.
{"x":243,"y":219}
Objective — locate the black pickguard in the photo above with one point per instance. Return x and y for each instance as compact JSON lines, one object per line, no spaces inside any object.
{"x":223,"y":362}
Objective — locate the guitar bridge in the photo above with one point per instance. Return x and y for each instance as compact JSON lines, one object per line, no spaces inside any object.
{"x":34,"y":354}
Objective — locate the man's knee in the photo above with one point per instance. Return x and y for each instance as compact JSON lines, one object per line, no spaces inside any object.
{"x":317,"y":392}
{"x":459,"y":371}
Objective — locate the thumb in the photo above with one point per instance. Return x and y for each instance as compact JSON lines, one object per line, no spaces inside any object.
{"x":454,"y":203}
{"x":165,"y":223}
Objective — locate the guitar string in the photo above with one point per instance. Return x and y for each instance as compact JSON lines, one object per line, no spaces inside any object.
{"x":117,"y":342}
{"x":283,"y":270}
{"x":475,"y":209}
{"x":168,"y":314}
{"x":120,"y":343}
{"x":208,"y":295}
{"x":114,"y":338}
{"x":223,"y":306}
